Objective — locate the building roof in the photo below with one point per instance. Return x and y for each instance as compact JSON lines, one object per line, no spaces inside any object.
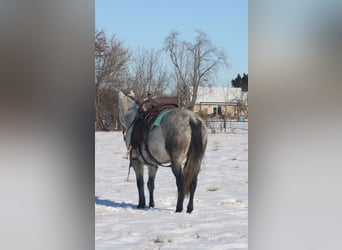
{"x":219,"y":94}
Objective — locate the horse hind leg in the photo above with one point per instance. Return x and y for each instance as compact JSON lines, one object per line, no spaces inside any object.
{"x":192,"y":193}
{"x":139,"y":174}
{"x":152,"y":170}
{"x":177,"y":171}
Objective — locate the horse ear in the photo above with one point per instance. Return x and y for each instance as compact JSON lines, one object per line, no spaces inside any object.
{"x":131,"y":93}
{"x":121,"y":94}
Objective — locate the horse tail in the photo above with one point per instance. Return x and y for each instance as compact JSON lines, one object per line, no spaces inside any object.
{"x":196,"y":151}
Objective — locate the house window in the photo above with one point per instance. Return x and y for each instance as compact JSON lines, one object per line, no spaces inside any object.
{"x":219,"y":110}
{"x":215,"y":110}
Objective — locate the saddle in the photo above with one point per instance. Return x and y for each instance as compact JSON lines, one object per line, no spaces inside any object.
{"x":145,"y":119}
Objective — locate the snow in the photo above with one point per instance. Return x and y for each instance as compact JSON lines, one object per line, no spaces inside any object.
{"x":220,"y":216}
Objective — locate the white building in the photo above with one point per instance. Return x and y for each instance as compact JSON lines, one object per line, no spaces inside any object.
{"x":231,"y":102}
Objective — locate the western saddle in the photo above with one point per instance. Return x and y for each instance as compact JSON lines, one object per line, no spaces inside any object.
{"x":146,"y":116}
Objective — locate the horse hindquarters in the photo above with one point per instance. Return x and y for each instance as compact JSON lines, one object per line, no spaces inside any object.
{"x":186,"y":179}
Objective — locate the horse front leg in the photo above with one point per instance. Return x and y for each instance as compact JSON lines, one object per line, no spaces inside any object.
{"x":139,"y":174}
{"x":152,"y":170}
{"x":177,"y":171}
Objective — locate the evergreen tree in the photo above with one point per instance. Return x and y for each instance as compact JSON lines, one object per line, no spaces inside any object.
{"x":241,"y":82}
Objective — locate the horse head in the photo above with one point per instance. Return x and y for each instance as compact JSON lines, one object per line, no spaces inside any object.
{"x":128,"y":107}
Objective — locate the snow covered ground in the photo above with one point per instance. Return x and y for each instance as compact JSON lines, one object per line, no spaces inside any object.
{"x":220,"y":216}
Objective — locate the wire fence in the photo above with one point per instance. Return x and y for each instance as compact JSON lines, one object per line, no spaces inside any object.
{"x":221,"y":126}
{"x":216,"y":126}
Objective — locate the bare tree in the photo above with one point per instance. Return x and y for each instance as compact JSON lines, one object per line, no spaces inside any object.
{"x":241,"y":100}
{"x":242,"y":104}
{"x":111,"y":70}
{"x":195,"y":64}
{"x":148,"y":74}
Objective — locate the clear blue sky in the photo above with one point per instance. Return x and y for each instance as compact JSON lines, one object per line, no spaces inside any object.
{"x":146,"y":23}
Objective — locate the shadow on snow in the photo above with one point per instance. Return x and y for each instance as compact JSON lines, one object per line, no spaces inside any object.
{"x":109,"y":203}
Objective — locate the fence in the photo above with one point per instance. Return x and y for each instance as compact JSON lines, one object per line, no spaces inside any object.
{"x":228,"y":126}
{"x":215,"y":125}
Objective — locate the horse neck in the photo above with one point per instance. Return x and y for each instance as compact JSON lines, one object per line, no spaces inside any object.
{"x":129,"y":125}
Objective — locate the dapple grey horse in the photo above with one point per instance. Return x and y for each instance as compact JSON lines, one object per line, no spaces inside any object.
{"x":180,"y":140}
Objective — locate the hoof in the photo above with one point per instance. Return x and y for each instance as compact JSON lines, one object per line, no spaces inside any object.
{"x":141,"y":206}
{"x":189,"y":209}
{"x":151,"y":205}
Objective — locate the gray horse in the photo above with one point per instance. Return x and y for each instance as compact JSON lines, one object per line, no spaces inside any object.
{"x":179,"y":140}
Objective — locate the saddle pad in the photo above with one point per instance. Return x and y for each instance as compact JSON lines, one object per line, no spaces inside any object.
{"x":160,"y":117}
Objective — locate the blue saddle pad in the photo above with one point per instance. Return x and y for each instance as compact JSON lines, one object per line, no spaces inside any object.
{"x":160,"y":117}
